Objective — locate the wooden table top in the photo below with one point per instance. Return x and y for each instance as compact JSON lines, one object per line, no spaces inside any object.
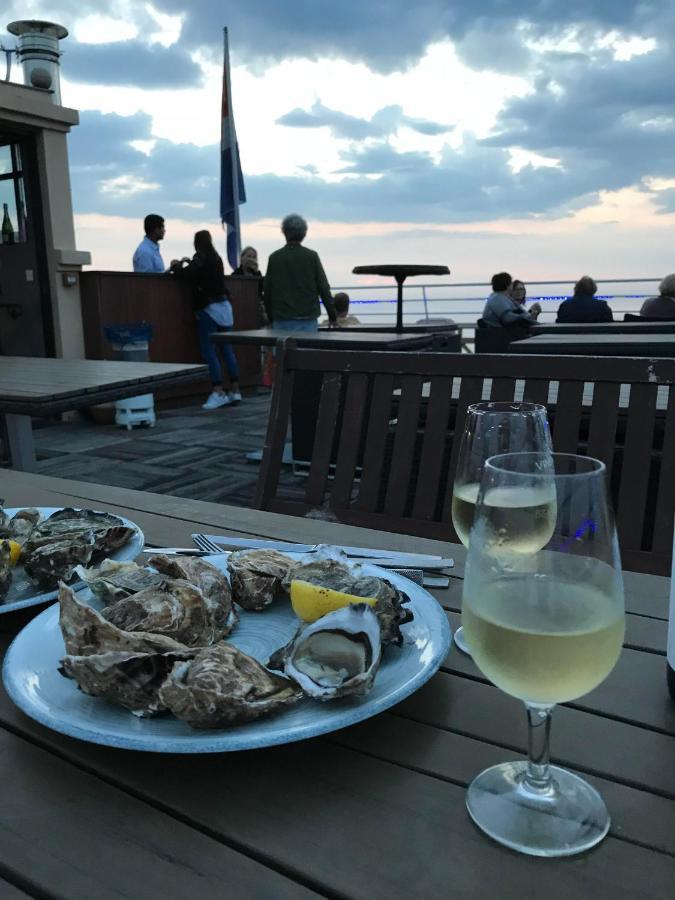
{"x":35,"y":386}
{"x":665,"y":327}
{"x":332,"y":339}
{"x":599,"y":344}
{"x":376,"y":810}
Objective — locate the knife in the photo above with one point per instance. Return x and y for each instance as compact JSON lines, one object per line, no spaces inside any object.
{"x":421,"y":560}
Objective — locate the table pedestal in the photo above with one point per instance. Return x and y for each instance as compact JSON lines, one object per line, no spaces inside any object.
{"x":21,"y":444}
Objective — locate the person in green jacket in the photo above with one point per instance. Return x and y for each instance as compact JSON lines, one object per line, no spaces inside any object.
{"x":294,"y":281}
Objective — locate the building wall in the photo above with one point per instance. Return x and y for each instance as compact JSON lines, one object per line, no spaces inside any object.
{"x":29,"y":109}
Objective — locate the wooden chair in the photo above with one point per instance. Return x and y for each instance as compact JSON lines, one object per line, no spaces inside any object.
{"x":634,"y":317}
{"x":497,"y":340}
{"x":389,"y":424}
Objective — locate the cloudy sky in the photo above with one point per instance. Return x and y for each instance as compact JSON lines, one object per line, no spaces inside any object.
{"x":532,"y":135}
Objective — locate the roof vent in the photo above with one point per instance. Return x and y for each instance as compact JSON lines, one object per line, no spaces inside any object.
{"x":39,"y":53}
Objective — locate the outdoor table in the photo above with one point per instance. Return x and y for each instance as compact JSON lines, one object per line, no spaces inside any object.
{"x":665,"y":327}
{"x":373,"y":811}
{"x":386,"y":328}
{"x":332,"y":339}
{"x":32,"y":386}
{"x":599,"y":344}
{"x":400,"y":271}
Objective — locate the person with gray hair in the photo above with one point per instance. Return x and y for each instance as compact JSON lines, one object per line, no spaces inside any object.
{"x":663,"y":306}
{"x":584,"y":306}
{"x":294,"y":281}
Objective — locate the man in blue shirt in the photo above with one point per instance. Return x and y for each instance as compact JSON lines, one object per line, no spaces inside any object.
{"x":147,"y":257}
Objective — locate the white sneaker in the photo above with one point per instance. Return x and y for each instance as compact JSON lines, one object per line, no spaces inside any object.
{"x":216,"y":400}
{"x":235,"y":397}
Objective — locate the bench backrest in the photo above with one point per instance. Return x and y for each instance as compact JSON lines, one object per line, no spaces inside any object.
{"x":389,"y":426}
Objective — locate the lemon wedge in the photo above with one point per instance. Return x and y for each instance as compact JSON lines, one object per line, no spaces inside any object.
{"x":14,"y":552}
{"x":310,"y":601}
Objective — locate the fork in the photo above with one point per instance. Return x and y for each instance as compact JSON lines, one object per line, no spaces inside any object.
{"x":208,"y":546}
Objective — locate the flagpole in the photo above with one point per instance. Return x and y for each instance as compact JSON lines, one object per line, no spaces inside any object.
{"x":233,"y":144}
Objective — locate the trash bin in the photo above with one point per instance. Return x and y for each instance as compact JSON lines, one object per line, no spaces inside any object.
{"x":132,"y":343}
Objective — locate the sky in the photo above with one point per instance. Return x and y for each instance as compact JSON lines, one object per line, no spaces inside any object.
{"x":530,"y":135}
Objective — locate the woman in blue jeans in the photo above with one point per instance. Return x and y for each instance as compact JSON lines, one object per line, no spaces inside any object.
{"x":214,"y":313}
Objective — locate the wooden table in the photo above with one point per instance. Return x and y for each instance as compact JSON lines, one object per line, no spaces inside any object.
{"x":374,"y":811}
{"x":32,"y":386}
{"x":598,"y":344}
{"x":335,"y":339}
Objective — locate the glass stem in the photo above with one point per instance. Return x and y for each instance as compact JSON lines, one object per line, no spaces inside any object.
{"x":538,"y":775}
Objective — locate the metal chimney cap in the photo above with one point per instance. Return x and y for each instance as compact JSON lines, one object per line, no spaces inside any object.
{"x":31,"y":26}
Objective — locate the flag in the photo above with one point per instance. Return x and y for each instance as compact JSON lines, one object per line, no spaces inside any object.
{"x":232,"y":191}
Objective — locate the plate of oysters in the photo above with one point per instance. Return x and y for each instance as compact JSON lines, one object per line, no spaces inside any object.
{"x":231,"y":652}
{"x":42,"y":546}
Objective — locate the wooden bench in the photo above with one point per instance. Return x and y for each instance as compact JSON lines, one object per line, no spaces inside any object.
{"x":388,"y":429}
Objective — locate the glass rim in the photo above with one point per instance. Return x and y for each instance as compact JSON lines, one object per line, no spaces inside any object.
{"x":595,"y":466}
{"x":485,"y":407}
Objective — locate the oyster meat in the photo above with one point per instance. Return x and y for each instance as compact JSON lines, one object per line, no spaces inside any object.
{"x":257,"y":577}
{"x":55,"y":561}
{"x":213,"y":584}
{"x":336,"y":656}
{"x":174,"y":608}
{"x":22,"y":524}
{"x":223,"y":686}
{"x":114,"y":581}
{"x":85,"y":632}
{"x":338,"y":576}
{"x":109,"y":531}
{"x":5,"y":569}
{"x":130,"y":679}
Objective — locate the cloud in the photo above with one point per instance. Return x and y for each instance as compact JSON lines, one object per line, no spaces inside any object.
{"x":384,"y":122}
{"x":130,"y":63}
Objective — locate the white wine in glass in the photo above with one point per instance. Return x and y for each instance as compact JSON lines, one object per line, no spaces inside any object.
{"x":490,"y":428}
{"x":546,"y":627}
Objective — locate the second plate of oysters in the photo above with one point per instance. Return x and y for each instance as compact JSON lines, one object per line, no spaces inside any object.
{"x":196,"y":655}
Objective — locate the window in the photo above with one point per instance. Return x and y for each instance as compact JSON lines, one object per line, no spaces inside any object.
{"x":12,"y":190}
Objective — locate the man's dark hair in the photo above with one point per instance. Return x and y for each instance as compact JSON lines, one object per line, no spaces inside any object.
{"x":151,"y":222}
{"x":341,"y":303}
{"x":501,"y":282}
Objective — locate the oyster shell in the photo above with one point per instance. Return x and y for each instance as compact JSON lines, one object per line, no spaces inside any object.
{"x":257,"y":577}
{"x":113,"y":580}
{"x":222,"y":686}
{"x":336,"y":656}
{"x":211,"y":582}
{"x":130,"y":679}
{"x":85,"y":632}
{"x":174,"y":608}
{"x":55,"y":561}
{"x":109,"y":531}
{"x":23,"y":523}
{"x":5,"y":569}
{"x":338,"y":576}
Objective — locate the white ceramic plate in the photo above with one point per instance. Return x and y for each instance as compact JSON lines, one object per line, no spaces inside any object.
{"x":22,"y":592}
{"x":34,"y":684}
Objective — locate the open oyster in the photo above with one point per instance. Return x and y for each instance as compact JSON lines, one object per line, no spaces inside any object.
{"x":338,"y":576}
{"x":113,"y":581}
{"x":22,"y":524}
{"x":55,"y":561}
{"x":222,"y":686}
{"x":335,"y":656}
{"x":65,"y":525}
{"x":5,"y":569}
{"x":86,"y":632}
{"x":131,"y":679}
{"x":174,"y":608}
{"x":211,"y":582}
{"x":257,"y":577}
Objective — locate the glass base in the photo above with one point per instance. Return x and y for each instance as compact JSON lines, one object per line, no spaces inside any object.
{"x":566,"y":817}
{"x":460,"y":641}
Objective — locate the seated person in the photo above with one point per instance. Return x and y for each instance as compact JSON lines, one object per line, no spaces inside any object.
{"x":502,"y":311}
{"x":341,"y":304}
{"x":519,"y":291}
{"x":663,"y":306}
{"x":583,"y":306}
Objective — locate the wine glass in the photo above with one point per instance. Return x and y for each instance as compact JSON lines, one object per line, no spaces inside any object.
{"x":543,"y":609}
{"x":491,"y":428}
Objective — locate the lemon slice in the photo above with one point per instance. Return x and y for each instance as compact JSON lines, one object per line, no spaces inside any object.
{"x":14,"y":552}
{"x":310,"y":601}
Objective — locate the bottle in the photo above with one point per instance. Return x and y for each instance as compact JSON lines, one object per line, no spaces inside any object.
{"x":670,"y":650}
{"x":7,"y":227}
